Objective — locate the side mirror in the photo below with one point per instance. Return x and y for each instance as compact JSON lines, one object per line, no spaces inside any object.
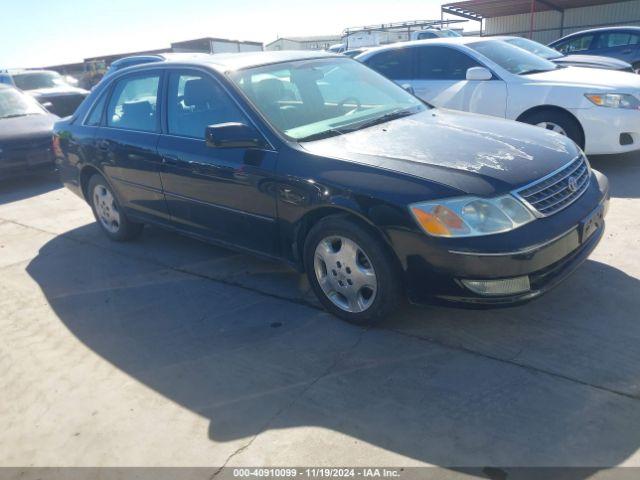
{"x":408,"y":88}
{"x":479,"y":74}
{"x":233,"y":135}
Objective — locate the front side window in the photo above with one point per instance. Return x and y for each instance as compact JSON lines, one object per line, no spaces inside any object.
{"x":312,"y":99}
{"x":196,"y":101}
{"x":133,"y":104}
{"x":617,"y":39}
{"x":16,"y":104}
{"x":394,"y":64}
{"x":442,"y":63}
{"x":513,"y":59}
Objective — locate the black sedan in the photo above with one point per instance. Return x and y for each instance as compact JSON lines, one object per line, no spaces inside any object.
{"x":49,"y":88}
{"x":317,"y":160}
{"x":25,"y":134}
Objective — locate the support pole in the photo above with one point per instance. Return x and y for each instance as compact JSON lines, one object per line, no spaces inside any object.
{"x":533,"y":14}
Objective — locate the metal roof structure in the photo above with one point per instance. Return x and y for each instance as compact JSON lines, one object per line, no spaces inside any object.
{"x":480,"y":9}
{"x":408,"y":25}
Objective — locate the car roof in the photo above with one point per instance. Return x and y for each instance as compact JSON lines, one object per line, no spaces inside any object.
{"x":599,"y":30}
{"x":237,"y":61}
{"x":430,"y":41}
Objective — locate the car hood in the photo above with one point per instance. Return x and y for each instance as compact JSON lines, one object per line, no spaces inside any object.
{"x":603,"y":62}
{"x":588,"y":77}
{"x":13,"y":130}
{"x":474,"y":154}
{"x":56,"y":92}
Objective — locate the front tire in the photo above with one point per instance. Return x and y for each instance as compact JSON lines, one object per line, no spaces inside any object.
{"x":110,"y":217}
{"x":351,"y":271}
{"x":559,"y":122}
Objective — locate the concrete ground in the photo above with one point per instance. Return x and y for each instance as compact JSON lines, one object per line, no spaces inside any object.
{"x":168,"y":351}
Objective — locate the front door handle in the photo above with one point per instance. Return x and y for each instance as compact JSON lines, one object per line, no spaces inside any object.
{"x":170,"y":160}
{"x":103,"y":146}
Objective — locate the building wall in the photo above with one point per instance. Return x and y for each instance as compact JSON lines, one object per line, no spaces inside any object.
{"x":547,"y":24}
{"x":302,"y":44}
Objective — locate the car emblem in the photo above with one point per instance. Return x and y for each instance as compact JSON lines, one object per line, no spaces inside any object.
{"x":573,"y":184}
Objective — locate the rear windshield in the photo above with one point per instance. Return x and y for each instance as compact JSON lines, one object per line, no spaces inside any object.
{"x":36,"y":80}
{"x":16,"y":104}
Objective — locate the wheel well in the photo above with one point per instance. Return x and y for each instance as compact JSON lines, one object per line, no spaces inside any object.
{"x":553,"y":108}
{"x":307,"y":222}
{"x":85,"y":175}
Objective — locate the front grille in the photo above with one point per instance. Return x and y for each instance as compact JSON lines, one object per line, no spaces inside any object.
{"x":558,"y":190}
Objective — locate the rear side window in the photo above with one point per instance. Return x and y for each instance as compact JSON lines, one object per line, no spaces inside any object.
{"x":442,"y":63}
{"x":196,"y":101}
{"x":133,"y":104}
{"x":95,"y":117}
{"x":617,"y":39}
{"x":394,"y":64}
{"x":578,"y":44}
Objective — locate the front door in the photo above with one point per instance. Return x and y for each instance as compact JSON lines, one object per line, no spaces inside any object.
{"x":220,"y":193}
{"x":440,"y":78}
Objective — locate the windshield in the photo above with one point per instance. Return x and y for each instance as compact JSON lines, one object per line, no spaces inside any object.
{"x":312,"y":99}
{"x":535,"y":48}
{"x":35,"y":80}
{"x":16,"y":104}
{"x":513,"y":59}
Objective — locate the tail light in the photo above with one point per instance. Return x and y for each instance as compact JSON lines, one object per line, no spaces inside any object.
{"x":55,"y":146}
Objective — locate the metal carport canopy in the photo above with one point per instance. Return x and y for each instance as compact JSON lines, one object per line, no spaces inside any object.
{"x":479,"y":9}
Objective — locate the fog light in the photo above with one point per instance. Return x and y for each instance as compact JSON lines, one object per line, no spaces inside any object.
{"x":508,"y":286}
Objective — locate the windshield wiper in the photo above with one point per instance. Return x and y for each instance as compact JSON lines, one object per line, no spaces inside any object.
{"x":15,"y":115}
{"x":332,"y":132}
{"x":387,"y":117}
{"x":537,"y":70}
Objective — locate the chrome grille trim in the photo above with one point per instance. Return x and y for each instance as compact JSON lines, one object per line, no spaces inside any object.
{"x":552,"y":193}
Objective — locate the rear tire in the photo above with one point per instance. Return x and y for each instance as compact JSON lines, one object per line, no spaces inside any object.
{"x":558,"y":121}
{"x":351,"y":271}
{"x":106,"y":209}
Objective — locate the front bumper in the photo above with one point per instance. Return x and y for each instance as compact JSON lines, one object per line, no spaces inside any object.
{"x":609,"y":130}
{"x":547,"y":251}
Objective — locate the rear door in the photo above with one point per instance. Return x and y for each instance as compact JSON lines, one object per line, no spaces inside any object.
{"x":395,"y":64}
{"x":220,"y":193}
{"x":127,"y":142}
{"x":622,"y":45}
{"x":440,"y":78}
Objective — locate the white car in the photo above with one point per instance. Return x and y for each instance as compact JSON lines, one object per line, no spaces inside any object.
{"x":598,"y":109}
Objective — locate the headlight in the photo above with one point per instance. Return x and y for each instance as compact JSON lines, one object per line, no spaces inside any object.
{"x":471,"y":216}
{"x":615,"y":100}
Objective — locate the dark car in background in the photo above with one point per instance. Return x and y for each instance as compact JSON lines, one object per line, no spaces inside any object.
{"x":317,"y":160}
{"x":25,"y":134}
{"x":622,"y":43}
{"x":47,"y":87}
{"x":548,"y":53}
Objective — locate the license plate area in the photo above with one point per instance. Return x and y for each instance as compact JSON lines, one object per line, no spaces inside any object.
{"x":591,"y":224}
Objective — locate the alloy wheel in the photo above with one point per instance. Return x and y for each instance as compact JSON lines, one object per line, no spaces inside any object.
{"x":345,"y":274}
{"x":554,"y":127}
{"x":106,"y":208}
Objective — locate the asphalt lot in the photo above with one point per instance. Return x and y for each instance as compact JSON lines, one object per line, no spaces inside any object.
{"x":168,"y":351}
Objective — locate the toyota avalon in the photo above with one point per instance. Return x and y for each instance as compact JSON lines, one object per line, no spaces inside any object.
{"x":319,"y":161}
